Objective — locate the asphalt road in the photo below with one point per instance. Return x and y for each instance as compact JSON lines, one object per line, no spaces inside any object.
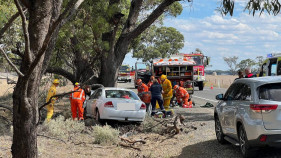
{"x":199,"y":97}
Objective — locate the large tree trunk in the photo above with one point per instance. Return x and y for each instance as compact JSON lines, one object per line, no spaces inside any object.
{"x":25,"y":96}
{"x":112,"y":61}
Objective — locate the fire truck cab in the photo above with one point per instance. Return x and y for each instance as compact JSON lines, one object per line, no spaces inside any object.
{"x":272,"y":65}
{"x":201,"y":62}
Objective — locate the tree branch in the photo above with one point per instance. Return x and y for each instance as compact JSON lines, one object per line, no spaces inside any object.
{"x":11,"y":63}
{"x":61,"y":72}
{"x":50,"y":100}
{"x":17,"y":52}
{"x":150,"y":19}
{"x":63,"y":18}
{"x":133,"y":15}
{"x":25,"y":32}
{"x":9,"y":24}
{"x":66,"y":62}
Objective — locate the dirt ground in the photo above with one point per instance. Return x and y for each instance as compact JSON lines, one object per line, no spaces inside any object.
{"x":198,"y":133}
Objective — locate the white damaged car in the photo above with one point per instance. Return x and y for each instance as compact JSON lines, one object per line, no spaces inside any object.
{"x":115,"y":104}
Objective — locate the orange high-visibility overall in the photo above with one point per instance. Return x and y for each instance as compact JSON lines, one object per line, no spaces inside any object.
{"x":77,"y":99}
{"x":183,"y":96}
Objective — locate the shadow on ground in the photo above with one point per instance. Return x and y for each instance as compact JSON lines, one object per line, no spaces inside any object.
{"x":197,"y":116}
{"x":213,"y":149}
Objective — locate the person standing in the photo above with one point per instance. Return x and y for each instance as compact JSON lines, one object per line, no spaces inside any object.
{"x":240,"y":75}
{"x":150,"y":82}
{"x":167,"y":91}
{"x":156,"y":91}
{"x":52,"y":91}
{"x":182,"y":97}
{"x":249,"y":73}
{"x":77,"y":99}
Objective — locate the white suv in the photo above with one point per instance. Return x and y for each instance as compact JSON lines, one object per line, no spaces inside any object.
{"x":249,"y":114}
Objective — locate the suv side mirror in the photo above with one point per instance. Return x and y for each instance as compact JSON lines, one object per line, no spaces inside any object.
{"x":219,"y":97}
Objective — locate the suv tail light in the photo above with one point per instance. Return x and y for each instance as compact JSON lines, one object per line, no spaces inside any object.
{"x":263,"y":107}
{"x":143,"y":106}
{"x":108,"y":104}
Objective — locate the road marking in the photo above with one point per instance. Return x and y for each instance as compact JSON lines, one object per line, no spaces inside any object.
{"x":205,"y":99}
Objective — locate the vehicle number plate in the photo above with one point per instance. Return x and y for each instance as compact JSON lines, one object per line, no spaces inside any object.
{"x":126,"y":106}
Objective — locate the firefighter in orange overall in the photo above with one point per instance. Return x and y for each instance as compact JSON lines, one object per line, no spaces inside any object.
{"x":77,"y":99}
{"x":141,"y":87}
{"x":150,"y":82}
{"x":143,"y":93}
{"x":182,"y":97}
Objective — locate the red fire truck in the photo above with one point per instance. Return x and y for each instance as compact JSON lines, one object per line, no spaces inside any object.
{"x":124,"y":73}
{"x":178,"y":68}
{"x":201,"y":62}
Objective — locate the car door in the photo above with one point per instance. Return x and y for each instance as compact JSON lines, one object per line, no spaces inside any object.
{"x":242,"y":100}
{"x":279,"y":67}
{"x":92,"y":103}
{"x":228,"y":108}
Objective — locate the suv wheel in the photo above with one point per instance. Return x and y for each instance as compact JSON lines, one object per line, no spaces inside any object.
{"x":219,"y":133}
{"x":244,"y":144}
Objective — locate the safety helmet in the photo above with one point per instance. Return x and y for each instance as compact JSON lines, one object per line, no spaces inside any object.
{"x":176,"y":87}
{"x":151,"y":77}
{"x":139,"y":81}
{"x":56,"y":81}
{"x":76,"y":84}
{"x":163,"y":77}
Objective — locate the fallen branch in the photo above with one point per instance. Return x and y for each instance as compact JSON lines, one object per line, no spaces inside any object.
{"x":129,"y":146}
{"x":50,"y":100}
{"x":132,"y":141}
{"x":5,"y":119}
{"x":51,"y":138}
{"x":6,"y":107}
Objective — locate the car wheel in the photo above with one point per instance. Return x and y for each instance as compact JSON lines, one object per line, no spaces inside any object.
{"x":98,"y":117}
{"x":201,"y":86}
{"x":219,"y":133}
{"x":244,"y":144}
{"x":85,"y":113}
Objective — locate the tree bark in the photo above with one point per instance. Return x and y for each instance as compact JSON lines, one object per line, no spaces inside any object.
{"x":113,"y":60}
{"x":41,"y":27}
{"x":25,"y":96}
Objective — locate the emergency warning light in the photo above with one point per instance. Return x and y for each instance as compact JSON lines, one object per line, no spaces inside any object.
{"x":269,"y":55}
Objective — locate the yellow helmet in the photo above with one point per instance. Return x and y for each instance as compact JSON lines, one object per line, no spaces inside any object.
{"x":76,"y":84}
{"x":163,"y":77}
{"x":56,"y":81}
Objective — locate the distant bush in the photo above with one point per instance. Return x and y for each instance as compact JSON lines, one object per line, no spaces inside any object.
{"x":105,"y":135}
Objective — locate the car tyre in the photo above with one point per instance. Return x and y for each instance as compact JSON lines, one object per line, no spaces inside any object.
{"x":201,"y":86}
{"x":244,"y":144}
{"x":219,"y":132}
{"x":98,"y":117}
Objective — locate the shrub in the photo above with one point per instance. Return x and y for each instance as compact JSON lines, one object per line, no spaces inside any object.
{"x":105,"y":135}
{"x":62,"y":128}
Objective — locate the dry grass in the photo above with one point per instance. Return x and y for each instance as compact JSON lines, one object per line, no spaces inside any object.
{"x":221,"y":81}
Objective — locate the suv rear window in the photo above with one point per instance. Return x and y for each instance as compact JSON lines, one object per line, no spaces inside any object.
{"x":121,"y":94}
{"x":270,"y":92}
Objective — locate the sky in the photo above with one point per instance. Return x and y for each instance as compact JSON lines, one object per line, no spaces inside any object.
{"x":219,"y":36}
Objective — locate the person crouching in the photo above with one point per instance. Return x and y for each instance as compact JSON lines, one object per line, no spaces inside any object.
{"x":182,"y":97}
{"x":156,"y":95}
